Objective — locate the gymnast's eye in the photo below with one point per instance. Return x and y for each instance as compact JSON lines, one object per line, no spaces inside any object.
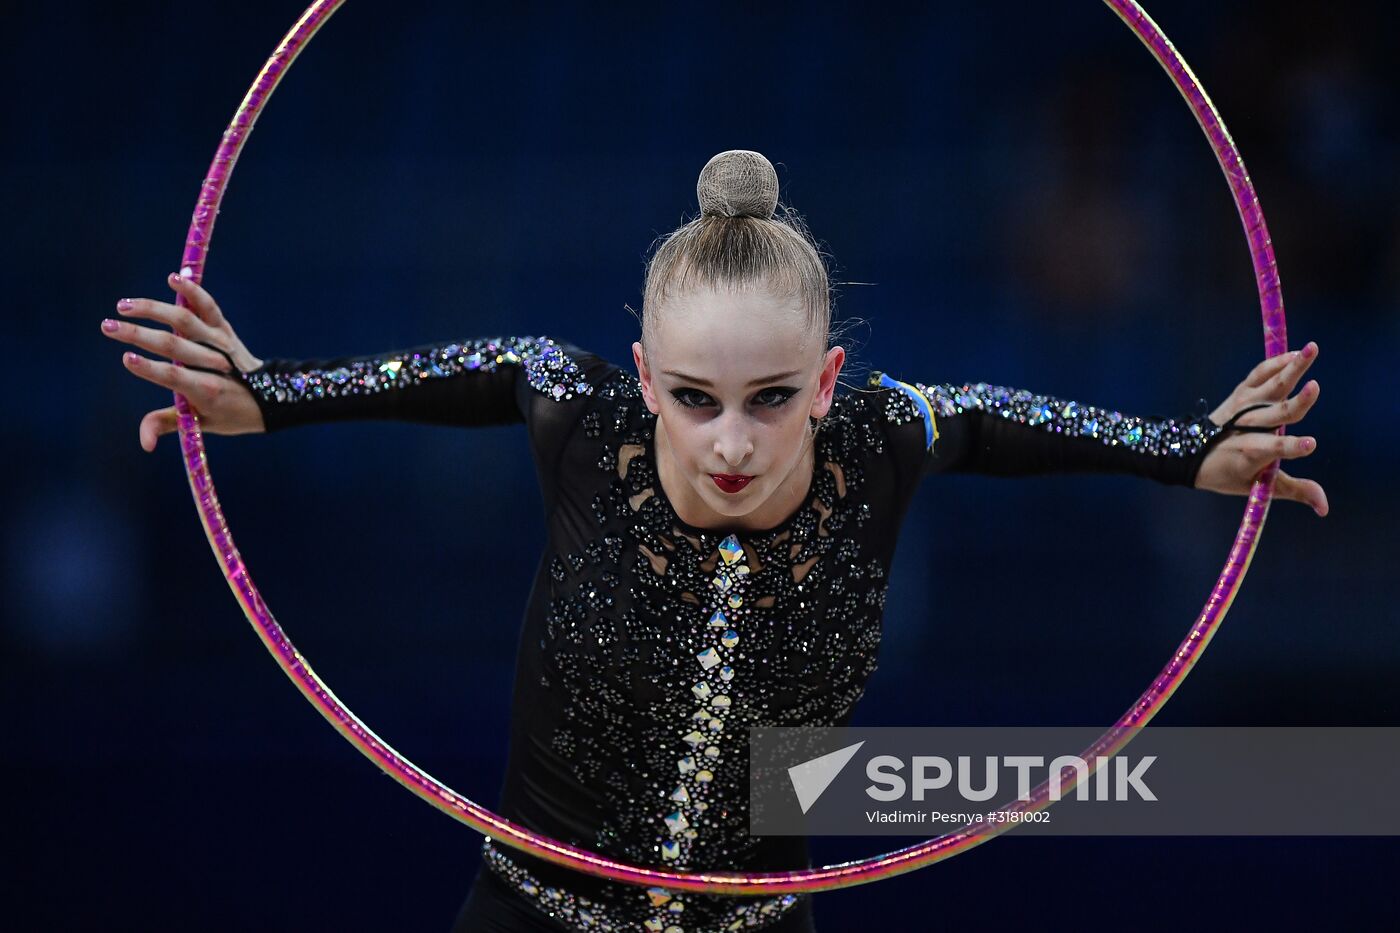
{"x":690,"y":398}
{"x":775,"y":397}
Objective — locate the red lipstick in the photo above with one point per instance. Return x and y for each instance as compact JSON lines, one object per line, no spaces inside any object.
{"x":730,"y":482}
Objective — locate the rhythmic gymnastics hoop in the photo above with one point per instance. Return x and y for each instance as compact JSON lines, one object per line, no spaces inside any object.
{"x":846,"y":874}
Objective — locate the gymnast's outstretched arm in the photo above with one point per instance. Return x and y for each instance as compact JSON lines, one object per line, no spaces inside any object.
{"x":472,"y":382}
{"x":1004,"y":431}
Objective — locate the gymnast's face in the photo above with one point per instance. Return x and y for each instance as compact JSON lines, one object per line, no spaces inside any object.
{"x":733,"y":378}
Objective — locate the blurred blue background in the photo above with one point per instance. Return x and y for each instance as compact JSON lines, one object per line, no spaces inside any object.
{"x":1025,"y":200}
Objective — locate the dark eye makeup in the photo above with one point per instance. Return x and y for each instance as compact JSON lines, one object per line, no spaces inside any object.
{"x":772,"y":397}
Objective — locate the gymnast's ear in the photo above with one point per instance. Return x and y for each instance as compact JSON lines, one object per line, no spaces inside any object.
{"x":826,"y":381}
{"x":639,"y":357}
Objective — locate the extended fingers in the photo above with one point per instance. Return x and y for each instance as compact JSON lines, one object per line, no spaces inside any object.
{"x":1295,"y":408}
{"x":181,"y":320}
{"x":1267,"y":447}
{"x":1288,"y":411}
{"x":196,"y":297}
{"x":1274,"y":366}
{"x":178,"y":378}
{"x":165,"y":343}
{"x":1267,"y":368}
{"x":1282,"y":382}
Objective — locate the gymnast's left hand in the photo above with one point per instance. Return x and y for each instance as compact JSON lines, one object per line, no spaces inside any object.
{"x":1234,"y":461}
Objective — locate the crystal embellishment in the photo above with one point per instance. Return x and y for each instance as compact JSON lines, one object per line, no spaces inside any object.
{"x":547,"y":367}
{"x":1150,"y":435}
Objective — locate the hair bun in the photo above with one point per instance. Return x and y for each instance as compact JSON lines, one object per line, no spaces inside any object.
{"x":738,"y":183}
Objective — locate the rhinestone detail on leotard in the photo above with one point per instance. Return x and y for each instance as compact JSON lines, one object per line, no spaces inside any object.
{"x":1170,"y":437}
{"x":547,"y":368}
{"x":667,"y":910}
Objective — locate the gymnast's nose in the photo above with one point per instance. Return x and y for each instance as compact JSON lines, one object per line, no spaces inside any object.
{"x":734,"y":443}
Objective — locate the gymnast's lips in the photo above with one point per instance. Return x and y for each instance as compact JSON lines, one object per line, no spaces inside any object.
{"x":730,"y":482}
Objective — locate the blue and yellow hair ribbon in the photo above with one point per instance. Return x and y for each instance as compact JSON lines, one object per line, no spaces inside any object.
{"x":920,"y":401}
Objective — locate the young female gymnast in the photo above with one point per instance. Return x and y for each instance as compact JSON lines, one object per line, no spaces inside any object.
{"x":720,"y":530}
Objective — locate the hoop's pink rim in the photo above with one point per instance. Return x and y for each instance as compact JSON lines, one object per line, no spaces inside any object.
{"x":769,"y":883}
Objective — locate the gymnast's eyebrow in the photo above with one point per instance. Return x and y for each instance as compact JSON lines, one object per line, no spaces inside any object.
{"x":777,"y":377}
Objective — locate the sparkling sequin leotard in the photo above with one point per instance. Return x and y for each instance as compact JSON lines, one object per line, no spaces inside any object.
{"x":651,"y":646}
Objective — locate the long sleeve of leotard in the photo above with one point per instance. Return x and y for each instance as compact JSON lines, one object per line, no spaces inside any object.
{"x":471,"y":383}
{"x":1002,"y":431}
{"x":485,"y":381}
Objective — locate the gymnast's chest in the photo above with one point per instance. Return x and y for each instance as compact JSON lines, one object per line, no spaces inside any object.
{"x":643,"y":616}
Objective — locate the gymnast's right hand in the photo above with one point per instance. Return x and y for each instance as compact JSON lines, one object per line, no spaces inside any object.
{"x":223,"y":401}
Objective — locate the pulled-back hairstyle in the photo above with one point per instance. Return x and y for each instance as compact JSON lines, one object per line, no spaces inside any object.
{"x":742,"y":239}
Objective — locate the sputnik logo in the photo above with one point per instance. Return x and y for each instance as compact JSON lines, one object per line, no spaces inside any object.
{"x":811,"y":778}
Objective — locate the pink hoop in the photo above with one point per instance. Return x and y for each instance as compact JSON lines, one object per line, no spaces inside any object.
{"x":820,"y":879}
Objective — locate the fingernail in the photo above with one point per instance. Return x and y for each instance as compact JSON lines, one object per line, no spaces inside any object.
{"x":132,"y":358}
{"x":1309,"y":443}
{"x":174,"y":276}
{"x":1310,"y":349}
{"x":126,"y":304}
{"x":109,"y":325}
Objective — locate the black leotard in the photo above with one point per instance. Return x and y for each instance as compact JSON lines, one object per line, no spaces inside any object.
{"x":649,"y":646}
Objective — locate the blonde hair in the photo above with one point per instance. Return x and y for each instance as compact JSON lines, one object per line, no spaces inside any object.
{"x":742,"y":239}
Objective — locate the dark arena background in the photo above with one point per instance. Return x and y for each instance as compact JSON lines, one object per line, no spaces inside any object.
{"x":1011,"y":193}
